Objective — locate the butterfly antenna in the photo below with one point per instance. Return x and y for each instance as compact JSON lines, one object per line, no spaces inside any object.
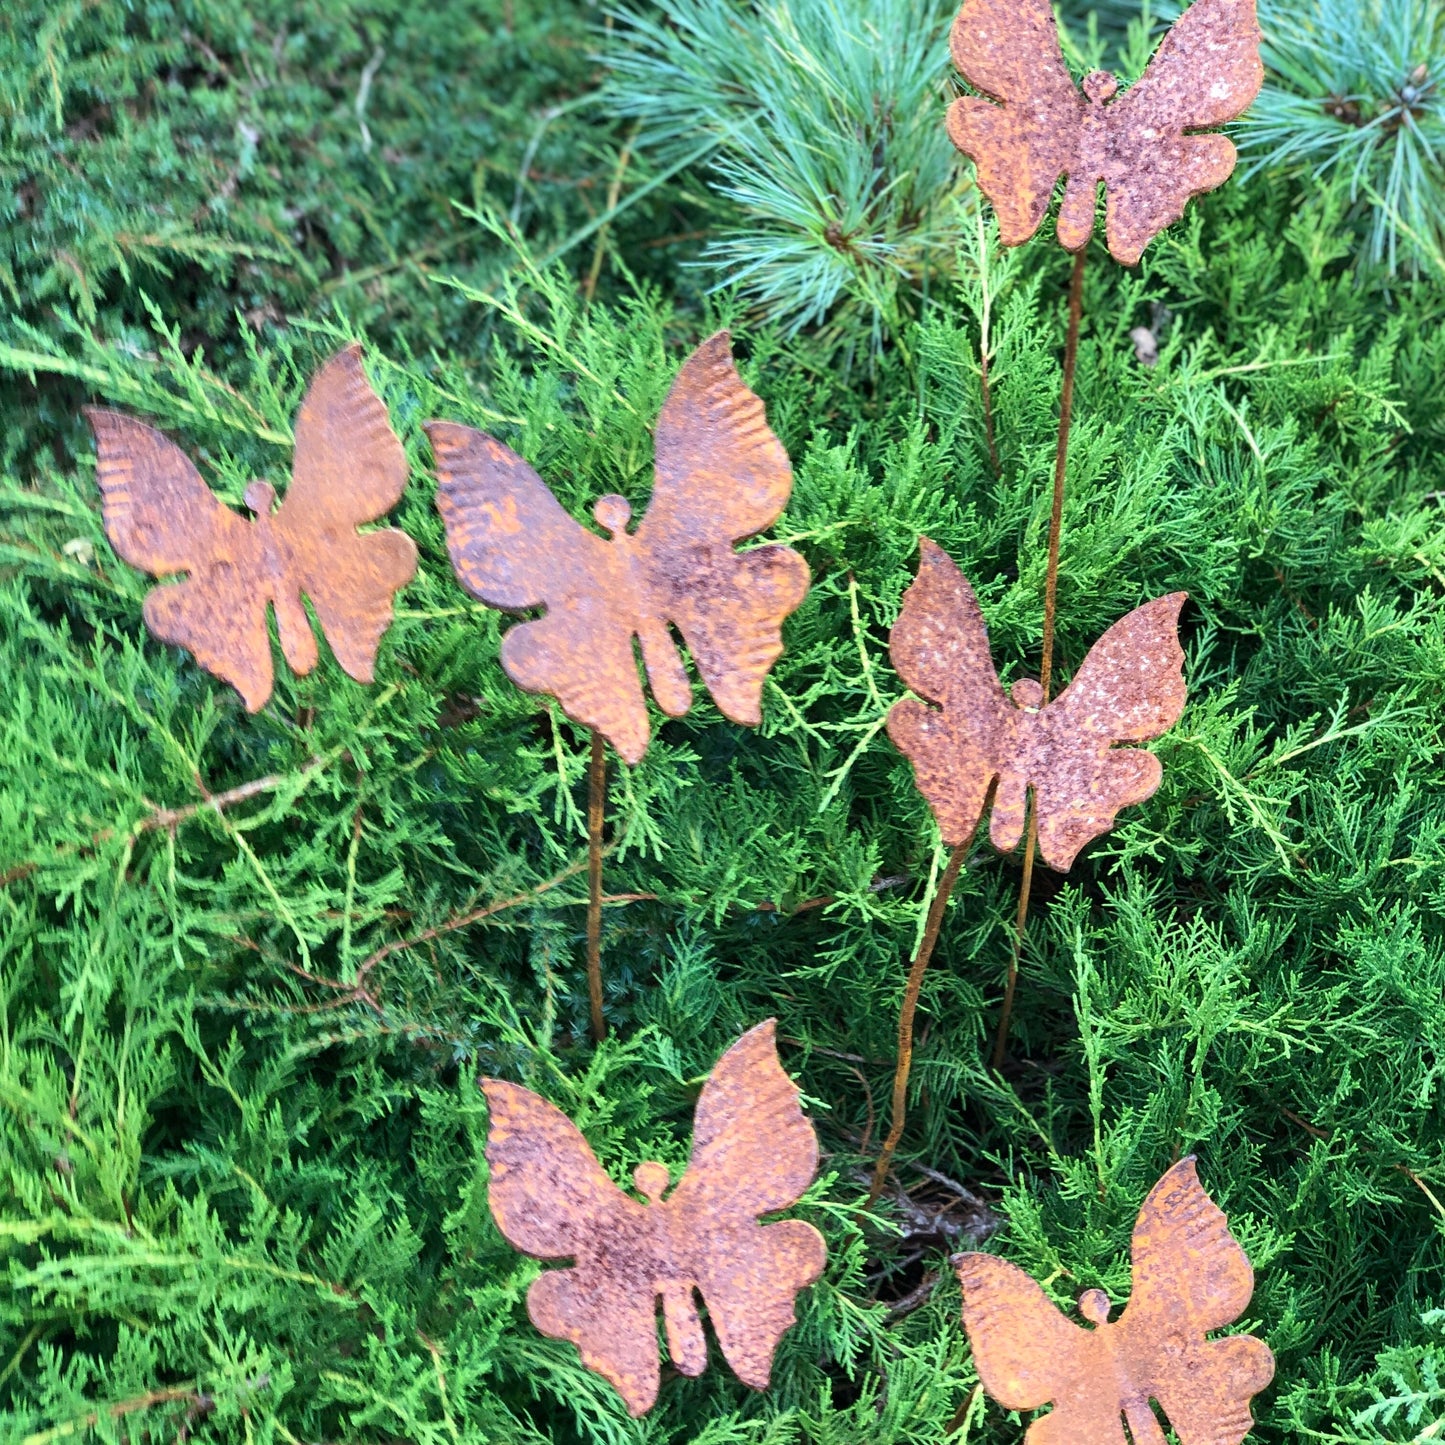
{"x":1046,"y":662}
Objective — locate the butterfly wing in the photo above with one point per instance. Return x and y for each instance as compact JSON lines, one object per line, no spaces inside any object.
{"x":513,"y":546}
{"x":1191,"y":1276}
{"x":551,"y":1199}
{"x":1206,"y":71}
{"x":753,"y":1152}
{"x":721,"y":476}
{"x":1009,"y":50}
{"x":939,"y":647}
{"x":349,"y":468}
{"x":1027,"y":1354}
{"x":162,"y":518}
{"x":1129,"y":688}
{"x":1206,"y":1388}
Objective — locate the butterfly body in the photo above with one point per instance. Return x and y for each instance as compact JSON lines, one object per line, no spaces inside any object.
{"x":1096,"y":1386}
{"x":349,"y":468}
{"x":753,"y":1153}
{"x":1031,"y":125}
{"x":641,"y":601}
{"x":966,"y":735}
{"x":721,"y":476}
{"x":270,"y":556}
{"x":1190,"y":1277}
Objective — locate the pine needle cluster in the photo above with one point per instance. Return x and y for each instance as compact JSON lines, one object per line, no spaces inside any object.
{"x":1356,"y":103}
{"x":842,"y":189}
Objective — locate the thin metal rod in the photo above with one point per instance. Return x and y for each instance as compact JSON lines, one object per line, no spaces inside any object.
{"x":905,"y":1018}
{"x":1061,"y":463}
{"x":596,"y":804}
{"x":1046,"y":664}
{"x":985,"y":340}
{"x":1000,"y":1039}
{"x":988,"y":412}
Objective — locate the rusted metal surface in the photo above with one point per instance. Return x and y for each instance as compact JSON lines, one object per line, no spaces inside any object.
{"x":1031,"y":125}
{"x":1129,"y":688}
{"x":721,"y":476}
{"x":1190,"y":1277}
{"x":906,"y":1014}
{"x":348,"y":468}
{"x":753,"y":1153}
{"x":596,"y":807}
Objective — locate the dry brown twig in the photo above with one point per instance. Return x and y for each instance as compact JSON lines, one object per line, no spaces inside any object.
{"x":170,"y":819}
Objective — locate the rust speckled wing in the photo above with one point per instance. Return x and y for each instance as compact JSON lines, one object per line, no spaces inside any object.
{"x":163,"y":519}
{"x":753,"y":1153}
{"x":1206,"y":71}
{"x":349,"y":469}
{"x":1022,"y":137}
{"x":721,"y":476}
{"x":1028,"y":1355}
{"x":1128,"y":689}
{"x":1031,"y":125}
{"x":966,"y":732}
{"x":514,"y":547}
{"x":551,"y":1199}
{"x":967,"y":735}
{"x":1190,"y":1276}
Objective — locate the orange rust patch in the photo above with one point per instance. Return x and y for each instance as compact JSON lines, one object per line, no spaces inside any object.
{"x":1031,"y":125}
{"x":721,"y":476}
{"x":753,"y":1153}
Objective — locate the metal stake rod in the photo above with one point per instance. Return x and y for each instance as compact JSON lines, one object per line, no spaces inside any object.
{"x":596,"y":803}
{"x":1046,"y":665}
{"x":905,"y":1018}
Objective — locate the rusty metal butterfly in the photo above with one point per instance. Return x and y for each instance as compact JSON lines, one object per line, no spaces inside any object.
{"x":1190,"y":1277}
{"x":753,"y":1153}
{"x":1141,"y":145}
{"x":721,"y":476}
{"x":349,"y":468}
{"x":1129,"y":688}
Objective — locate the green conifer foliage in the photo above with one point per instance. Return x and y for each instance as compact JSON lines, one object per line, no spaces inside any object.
{"x":250,"y":968}
{"x":263,"y":158}
{"x":825,"y":144}
{"x":1355,"y":104}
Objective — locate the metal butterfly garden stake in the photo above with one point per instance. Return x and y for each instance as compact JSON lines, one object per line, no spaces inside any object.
{"x":753,"y":1153}
{"x":720,"y":476}
{"x":971,"y":745}
{"x":1189,"y":1277}
{"x":349,"y":468}
{"x":1029,"y":126}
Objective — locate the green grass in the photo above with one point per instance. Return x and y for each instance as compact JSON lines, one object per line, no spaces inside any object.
{"x":245,"y":1201}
